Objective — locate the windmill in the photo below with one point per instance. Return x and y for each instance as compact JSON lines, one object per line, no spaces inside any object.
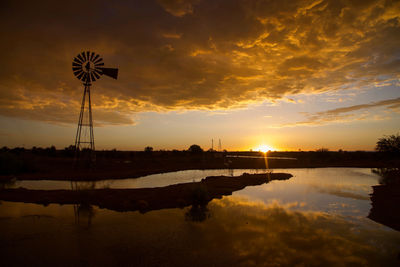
{"x":88,"y":67}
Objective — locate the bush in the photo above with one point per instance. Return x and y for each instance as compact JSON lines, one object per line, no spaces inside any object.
{"x":195,"y":149}
{"x":148,"y":149}
{"x":389,"y":144}
{"x":389,"y":176}
{"x":11,"y":163}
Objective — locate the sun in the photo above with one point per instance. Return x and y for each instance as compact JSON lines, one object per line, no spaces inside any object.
{"x":264,"y":148}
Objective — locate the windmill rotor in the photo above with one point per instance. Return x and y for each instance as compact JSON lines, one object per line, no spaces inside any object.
{"x":89,"y":67}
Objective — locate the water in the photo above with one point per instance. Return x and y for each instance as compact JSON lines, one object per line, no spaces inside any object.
{"x":318,"y":217}
{"x":158,"y":180}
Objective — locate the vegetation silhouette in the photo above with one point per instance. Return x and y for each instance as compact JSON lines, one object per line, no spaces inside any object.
{"x":55,"y":164}
{"x":195,"y":149}
{"x":389,"y":144}
{"x":148,"y":149}
{"x":50,"y":163}
{"x":388,"y":176}
{"x":385,"y":198}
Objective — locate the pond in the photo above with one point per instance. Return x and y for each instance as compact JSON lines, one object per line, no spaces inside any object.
{"x":317,"y":217}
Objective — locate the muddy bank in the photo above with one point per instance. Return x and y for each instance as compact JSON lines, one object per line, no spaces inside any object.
{"x":145,"y":199}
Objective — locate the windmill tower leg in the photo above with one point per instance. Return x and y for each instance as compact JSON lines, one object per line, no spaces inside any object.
{"x":81,"y":141}
{"x":90,"y":122}
{"x":79,"y":129}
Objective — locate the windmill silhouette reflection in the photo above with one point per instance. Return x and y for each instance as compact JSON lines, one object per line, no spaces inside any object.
{"x":83,"y":215}
{"x":83,"y":212}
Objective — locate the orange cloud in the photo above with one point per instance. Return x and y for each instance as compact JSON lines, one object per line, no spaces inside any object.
{"x":191,"y":54}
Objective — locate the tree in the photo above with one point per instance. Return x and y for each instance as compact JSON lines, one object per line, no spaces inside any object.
{"x":195,"y":149}
{"x":148,"y":149}
{"x":389,"y":144}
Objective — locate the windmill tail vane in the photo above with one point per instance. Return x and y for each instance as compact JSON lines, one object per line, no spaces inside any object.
{"x":88,"y":67}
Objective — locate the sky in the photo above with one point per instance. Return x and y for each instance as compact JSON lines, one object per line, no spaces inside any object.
{"x":285,"y":74}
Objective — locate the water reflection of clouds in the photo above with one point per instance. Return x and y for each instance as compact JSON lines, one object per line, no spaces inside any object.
{"x":338,"y":190}
{"x":239,"y":233}
{"x":287,"y":237}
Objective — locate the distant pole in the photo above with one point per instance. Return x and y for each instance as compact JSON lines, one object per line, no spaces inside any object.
{"x":219,"y":145}
{"x":212,"y":144}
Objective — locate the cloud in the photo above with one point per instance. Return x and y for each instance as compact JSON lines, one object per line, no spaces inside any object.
{"x":178,"y":8}
{"x":346,"y":114}
{"x":181,"y":54}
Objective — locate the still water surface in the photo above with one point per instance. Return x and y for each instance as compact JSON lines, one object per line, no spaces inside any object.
{"x":329,"y":175}
{"x":318,"y":217}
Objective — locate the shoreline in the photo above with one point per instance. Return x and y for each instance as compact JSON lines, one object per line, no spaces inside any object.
{"x":115,"y":175}
{"x":124,"y":165}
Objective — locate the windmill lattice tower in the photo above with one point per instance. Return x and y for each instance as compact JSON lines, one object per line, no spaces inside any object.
{"x":88,"y":67}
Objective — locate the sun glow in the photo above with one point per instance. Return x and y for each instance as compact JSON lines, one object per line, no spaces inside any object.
{"x":264,"y":148}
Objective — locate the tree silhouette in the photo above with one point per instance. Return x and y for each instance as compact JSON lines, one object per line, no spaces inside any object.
{"x":389,"y":144}
{"x":148,"y":149}
{"x":195,"y":149}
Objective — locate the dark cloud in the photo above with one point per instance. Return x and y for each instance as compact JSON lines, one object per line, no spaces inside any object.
{"x":178,"y":8}
{"x":199,"y":54}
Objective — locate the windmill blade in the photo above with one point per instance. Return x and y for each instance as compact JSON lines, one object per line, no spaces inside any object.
{"x":99,"y":64}
{"x":91,"y":56}
{"x":77,"y":60}
{"x":81,"y":58}
{"x":92,"y":76}
{"x":87,"y":55}
{"x":76,"y":73}
{"x":95,"y":58}
{"x":76,"y":64}
{"x":76,"y":68}
{"x":98,"y":61}
{"x":84,"y":56}
{"x":96,"y":75}
{"x":98,"y":72}
{"x":110,"y":72}
{"x":85,"y":77}
{"x":80,"y":75}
